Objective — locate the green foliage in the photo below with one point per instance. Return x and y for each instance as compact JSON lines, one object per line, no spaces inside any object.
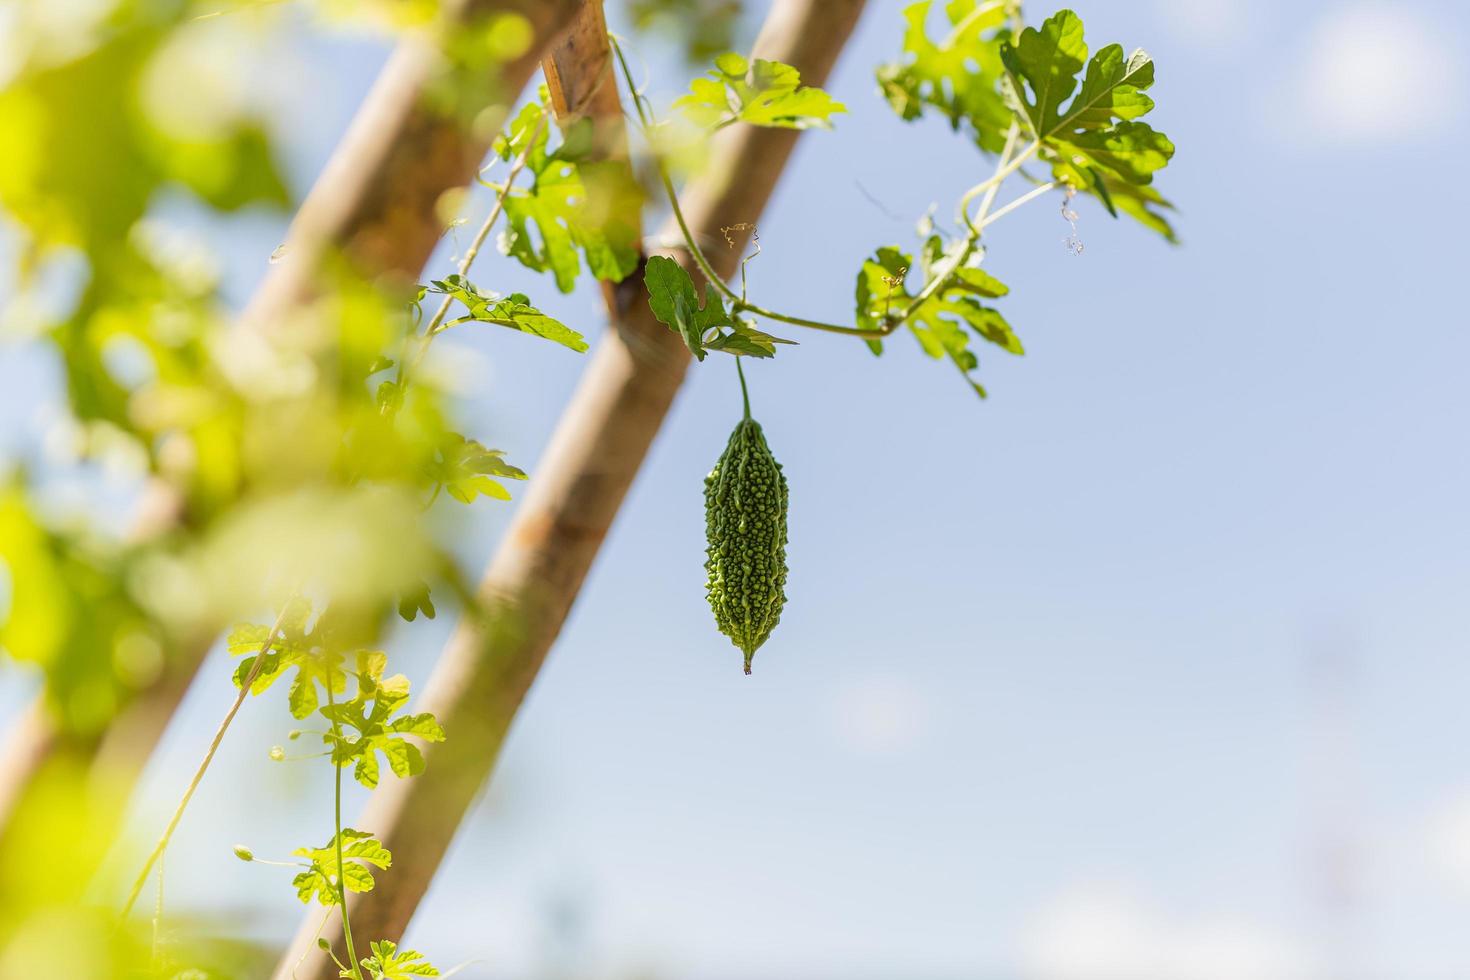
{"x":939,"y":321}
{"x":361,"y":852}
{"x":87,"y":156}
{"x":704,"y":325}
{"x":316,"y":663}
{"x":672,"y":299}
{"x":745,"y":507}
{"x":1095,"y":143}
{"x":959,"y":75}
{"x":983,"y":76}
{"x":464,"y":468}
{"x":514,"y":311}
{"x":575,"y":202}
{"x":415,"y":600}
{"x":67,"y":609}
{"x":762,"y":93}
{"x":387,"y":963}
{"x":374,"y":729}
{"x":744,"y":340}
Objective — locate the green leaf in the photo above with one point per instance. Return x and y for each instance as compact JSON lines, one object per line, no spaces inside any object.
{"x":762,"y":93}
{"x":958,"y":75}
{"x":744,"y":340}
{"x":941,"y":322}
{"x":880,"y":291}
{"x":371,"y":727}
{"x":360,"y":853}
{"x":416,"y":600}
{"x":387,"y":963}
{"x":294,"y":648}
{"x":672,"y":299}
{"x":1094,"y":143}
{"x":1049,"y":60}
{"x":514,"y":311}
{"x":575,"y":203}
{"x":464,"y":468}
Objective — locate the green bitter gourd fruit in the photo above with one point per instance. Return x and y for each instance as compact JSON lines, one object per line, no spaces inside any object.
{"x":745,"y":508}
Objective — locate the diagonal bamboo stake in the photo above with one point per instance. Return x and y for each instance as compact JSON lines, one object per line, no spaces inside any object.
{"x":374,"y":202}
{"x":594,"y":456}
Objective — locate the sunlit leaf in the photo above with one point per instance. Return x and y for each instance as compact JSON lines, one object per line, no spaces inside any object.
{"x":389,"y":963}
{"x":361,"y":852}
{"x":761,"y":93}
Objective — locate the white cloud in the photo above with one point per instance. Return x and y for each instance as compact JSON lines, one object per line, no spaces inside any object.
{"x":1447,"y":842}
{"x":881,"y":715}
{"x":1371,"y":73}
{"x":1108,"y":931}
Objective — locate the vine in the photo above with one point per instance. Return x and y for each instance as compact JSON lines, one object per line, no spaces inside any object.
{"x":465,"y":469}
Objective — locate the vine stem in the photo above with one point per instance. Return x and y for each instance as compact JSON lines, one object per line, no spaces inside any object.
{"x":738,"y":302}
{"x":1026,"y":198}
{"x":337,"y":837}
{"x":168,"y":832}
{"x":436,"y":323}
{"x":744,"y":392}
{"x":990,"y":187}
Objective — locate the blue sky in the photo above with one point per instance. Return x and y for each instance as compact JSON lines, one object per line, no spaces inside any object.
{"x":1152,"y":666}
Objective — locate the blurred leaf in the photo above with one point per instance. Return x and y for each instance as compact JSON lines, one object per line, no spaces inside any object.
{"x":315,"y":662}
{"x":414,"y":601}
{"x":762,"y":93}
{"x":958,"y":75}
{"x":575,"y":203}
{"x":465,"y":467}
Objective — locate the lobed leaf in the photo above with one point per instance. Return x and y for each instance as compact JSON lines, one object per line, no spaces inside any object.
{"x":672,"y":299}
{"x":941,"y":322}
{"x":387,"y":963}
{"x":514,"y":311}
{"x":316,"y":665}
{"x":958,"y":75}
{"x":360,"y":853}
{"x":372,"y":729}
{"x":464,"y":468}
{"x":414,"y":601}
{"x":576,"y":204}
{"x":1095,"y":143}
{"x":761,"y":93}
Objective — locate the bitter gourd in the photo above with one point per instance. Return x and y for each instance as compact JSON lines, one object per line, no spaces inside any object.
{"x":745,"y":507}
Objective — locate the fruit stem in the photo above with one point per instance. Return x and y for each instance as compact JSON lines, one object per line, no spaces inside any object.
{"x":745,"y":397}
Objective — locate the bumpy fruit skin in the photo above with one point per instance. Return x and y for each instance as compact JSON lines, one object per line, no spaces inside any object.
{"x":745,"y":510}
